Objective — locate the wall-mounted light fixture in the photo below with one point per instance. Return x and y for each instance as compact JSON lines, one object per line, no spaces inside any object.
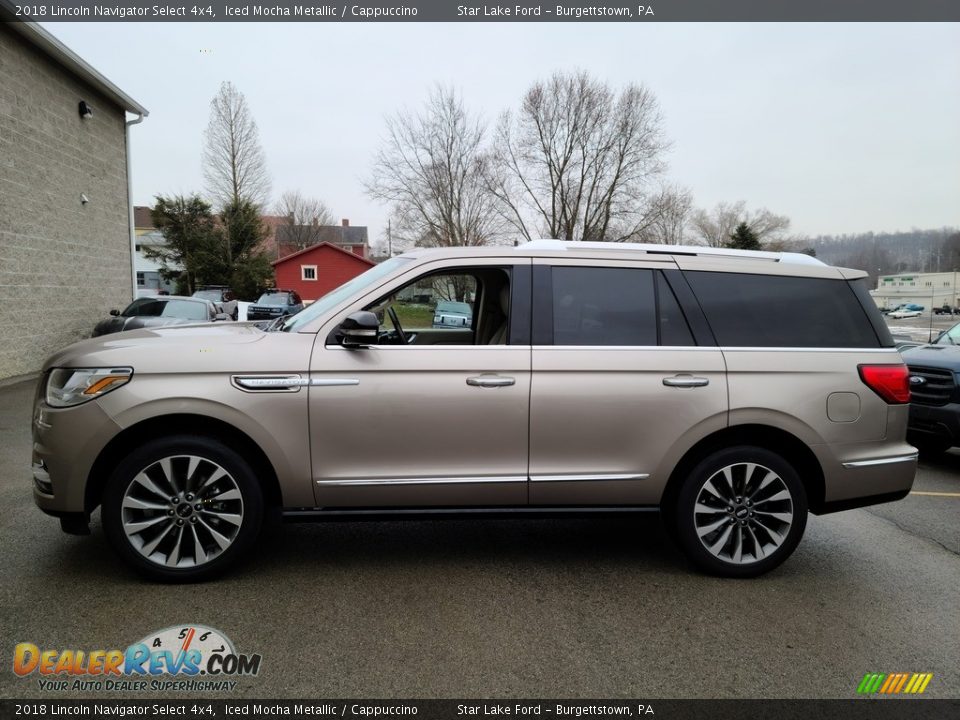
{"x":86,"y":112}
{"x":84,"y":199}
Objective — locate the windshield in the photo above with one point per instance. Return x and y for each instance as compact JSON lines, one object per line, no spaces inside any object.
{"x":156,"y":307}
{"x":211,"y":295}
{"x":335,"y":297}
{"x":950,"y":337}
{"x":274,"y":299}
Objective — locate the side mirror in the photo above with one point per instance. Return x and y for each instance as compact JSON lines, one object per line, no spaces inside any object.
{"x":115,"y":312}
{"x":222,"y":316}
{"x":359,"y":330}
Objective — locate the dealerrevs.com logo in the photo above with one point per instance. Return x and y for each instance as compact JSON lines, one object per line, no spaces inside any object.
{"x":182,"y":657}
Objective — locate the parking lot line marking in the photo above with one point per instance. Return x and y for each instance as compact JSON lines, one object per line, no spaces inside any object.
{"x":935,"y":494}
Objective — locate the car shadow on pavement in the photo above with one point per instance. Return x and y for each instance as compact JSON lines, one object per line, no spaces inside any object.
{"x":637,"y":541}
{"x":617,"y":539}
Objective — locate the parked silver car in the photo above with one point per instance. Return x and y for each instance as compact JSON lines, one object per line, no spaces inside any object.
{"x":450,"y":313}
{"x":732,"y":391}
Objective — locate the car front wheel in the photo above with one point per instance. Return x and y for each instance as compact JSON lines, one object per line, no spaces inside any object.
{"x":182,"y":509}
{"x":740,"y":512}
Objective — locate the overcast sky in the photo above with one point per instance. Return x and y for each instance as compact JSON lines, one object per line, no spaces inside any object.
{"x":842,"y":127}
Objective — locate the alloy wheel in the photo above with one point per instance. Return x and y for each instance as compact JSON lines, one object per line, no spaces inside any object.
{"x":743,"y":513}
{"x":182,"y":511}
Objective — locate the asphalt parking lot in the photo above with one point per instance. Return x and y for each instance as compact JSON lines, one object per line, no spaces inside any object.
{"x":546,"y":608}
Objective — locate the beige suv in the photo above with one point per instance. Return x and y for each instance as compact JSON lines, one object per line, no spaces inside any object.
{"x":731,"y":391}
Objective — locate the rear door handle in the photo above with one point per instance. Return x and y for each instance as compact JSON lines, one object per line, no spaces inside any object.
{"x":490,"y":381}
{"x":685,"y":381}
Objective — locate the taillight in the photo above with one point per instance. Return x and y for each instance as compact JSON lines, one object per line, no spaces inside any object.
{"x":891,"y":382}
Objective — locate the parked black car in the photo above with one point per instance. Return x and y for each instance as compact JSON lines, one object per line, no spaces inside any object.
{"x":158,"y":311}
{"x":934,"y":425}
{"x":275,"y":304}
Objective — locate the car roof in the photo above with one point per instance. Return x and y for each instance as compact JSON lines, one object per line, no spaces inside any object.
{"x":548,"y":247}
{"x":684,"y":257}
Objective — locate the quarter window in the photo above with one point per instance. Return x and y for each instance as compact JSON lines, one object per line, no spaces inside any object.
{"x":777,"y":311}
{"x":674,"y":329}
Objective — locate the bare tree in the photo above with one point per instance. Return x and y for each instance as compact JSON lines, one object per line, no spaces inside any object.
{"x":668,"y":213}
{"x":430,"y":168}
{"x":715,"y":227}
{"x":304,"y":218}
{"x":575,"y":162}
{"x":233,"y":162}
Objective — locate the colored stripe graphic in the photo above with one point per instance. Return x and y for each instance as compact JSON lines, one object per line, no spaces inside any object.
{"x":894,"y":683}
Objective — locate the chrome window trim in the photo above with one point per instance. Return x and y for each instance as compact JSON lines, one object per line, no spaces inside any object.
{"x":880,"y":461}
{"x":440,"y":346}
{"x":646,"y":348}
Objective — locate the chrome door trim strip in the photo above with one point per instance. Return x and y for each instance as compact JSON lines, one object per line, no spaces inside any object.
{"x":589,"y":478}
{"x":880,"y":461}
{"x":333,"y":382}
{"x":424,"y":481}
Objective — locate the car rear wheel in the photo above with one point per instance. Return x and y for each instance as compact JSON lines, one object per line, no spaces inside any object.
{"x":740,"y":512}
{"x":182,"y":509}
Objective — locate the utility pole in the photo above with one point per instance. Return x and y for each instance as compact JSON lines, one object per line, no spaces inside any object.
{"x":389,"y":240}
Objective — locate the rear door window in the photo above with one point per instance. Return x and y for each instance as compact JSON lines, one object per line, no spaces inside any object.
{"x":603,"y":306}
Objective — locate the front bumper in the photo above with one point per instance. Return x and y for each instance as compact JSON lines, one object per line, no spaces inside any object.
{"x":939,"y":422}
{"x":66,"y":442}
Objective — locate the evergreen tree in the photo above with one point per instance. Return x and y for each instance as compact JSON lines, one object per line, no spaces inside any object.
{"x":250,"y":271}
{"x":191,"y":255}
{"x":744,"y":238}
{"x":202,"y":249}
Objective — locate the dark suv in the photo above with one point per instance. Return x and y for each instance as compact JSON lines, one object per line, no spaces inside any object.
{"x":934,"y":425}
{"x":275,"y":304}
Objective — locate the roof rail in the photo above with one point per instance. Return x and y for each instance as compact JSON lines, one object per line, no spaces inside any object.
{"x":651,"y":249}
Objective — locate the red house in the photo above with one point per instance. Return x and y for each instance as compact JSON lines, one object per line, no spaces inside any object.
{"x":319,"y":269}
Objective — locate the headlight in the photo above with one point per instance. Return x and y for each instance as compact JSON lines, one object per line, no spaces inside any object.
{"x":67,"y":387}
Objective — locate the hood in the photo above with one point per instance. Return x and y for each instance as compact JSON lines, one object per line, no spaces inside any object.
{"x":177,"y":348}
{"x":941,"y":356}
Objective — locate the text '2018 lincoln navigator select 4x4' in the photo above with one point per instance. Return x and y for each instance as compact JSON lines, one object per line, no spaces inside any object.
{"x":733,"y":391}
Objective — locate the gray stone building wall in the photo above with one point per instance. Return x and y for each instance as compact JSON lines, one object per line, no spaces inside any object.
{"x":63,"y":265}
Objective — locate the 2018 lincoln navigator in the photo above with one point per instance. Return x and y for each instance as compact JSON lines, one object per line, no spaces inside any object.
{"x":732,"y":391}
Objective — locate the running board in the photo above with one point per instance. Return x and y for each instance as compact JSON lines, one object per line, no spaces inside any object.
{"x":458,"y":513}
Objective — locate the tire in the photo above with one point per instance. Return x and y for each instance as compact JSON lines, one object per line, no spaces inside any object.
{"x":707,"y":503}
{"x":212,"y":524}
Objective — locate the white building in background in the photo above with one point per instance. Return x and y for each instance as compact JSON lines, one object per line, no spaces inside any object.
{"x":931,"y":290}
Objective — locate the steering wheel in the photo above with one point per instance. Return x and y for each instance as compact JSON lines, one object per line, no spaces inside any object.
{"x":396,"y":325}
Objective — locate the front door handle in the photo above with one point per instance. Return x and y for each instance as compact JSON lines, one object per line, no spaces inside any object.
{"x":490,"y":381}
{"x":685,"y":381}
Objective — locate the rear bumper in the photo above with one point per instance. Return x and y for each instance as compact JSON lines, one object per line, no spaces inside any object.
{"x":867,"y":475}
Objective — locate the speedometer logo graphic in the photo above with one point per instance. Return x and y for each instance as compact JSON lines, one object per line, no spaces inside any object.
{"x":181,"y":639}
